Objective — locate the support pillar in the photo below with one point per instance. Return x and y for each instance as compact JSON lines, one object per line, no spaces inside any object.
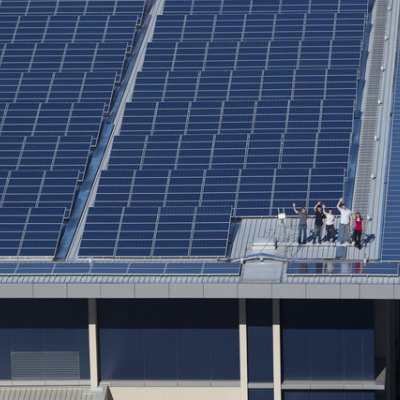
{"x":94,"y":371}
{"x":276,"y":351}
{"x":243,"y":349}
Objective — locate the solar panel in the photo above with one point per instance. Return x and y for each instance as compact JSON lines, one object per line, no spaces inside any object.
{"x":243,"y":100}
{"x":60,"y":63}
{"x":120,"y":268}
{"x":159,"y":232}
{"x":29,"y":232}
{"x":235,"y":98}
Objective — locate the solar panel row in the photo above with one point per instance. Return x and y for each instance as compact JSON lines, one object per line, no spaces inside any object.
{"x":261,"y":6}
{"x":63,"y":57}
{"x":250,"y":192}
{"x":157,"y":232}
{"x":257,"y":26}
{"x":68,"y":7}
{"x":30,"y":232}
{"x":246,"y":104}
{"x":98,"y":268}
{"x":38,"y":188}
{"x":59,"y":64}
{"x":239,"y":134}
{"x":54,"y":87}
{"x":52,"y":119}
{"x":68,"y":28}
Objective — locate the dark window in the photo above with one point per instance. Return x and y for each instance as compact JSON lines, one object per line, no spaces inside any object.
{"x":327,"y":395}
{"x":43,"y":326}
{"x":261,"y":394}
{"x":327,"y":340}
{"x":169,"y":339}
{"x":259,"y":340}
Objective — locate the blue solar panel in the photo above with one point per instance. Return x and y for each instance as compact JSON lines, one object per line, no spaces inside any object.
{"x":233,"y":98}
{"x":60,"y":62}
{"x":120,"y":268}
{"x":165,"y":231}
{"x":71,"y":7}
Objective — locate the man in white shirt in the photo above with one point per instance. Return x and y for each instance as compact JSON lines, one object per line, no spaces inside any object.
{"x":345,"y":221}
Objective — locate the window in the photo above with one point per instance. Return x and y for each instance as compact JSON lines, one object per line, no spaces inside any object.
{"x":327,"y":339}
{"x":259,"y":340}
{"x":169,"y":339}
{"x":36,"y":326}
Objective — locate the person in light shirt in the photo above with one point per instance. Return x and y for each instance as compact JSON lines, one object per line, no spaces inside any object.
{"x":344,"y":222}
{"x":329,"y":224}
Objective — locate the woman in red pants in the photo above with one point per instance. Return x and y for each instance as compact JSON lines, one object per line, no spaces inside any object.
{"x":358,"y":230}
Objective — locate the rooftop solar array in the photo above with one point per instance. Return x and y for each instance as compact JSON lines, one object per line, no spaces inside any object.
{"x":60,"y":62}
{"x":246,"y":105}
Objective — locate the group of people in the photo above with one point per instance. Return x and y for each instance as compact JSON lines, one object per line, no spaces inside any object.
{"x":350,"y":223}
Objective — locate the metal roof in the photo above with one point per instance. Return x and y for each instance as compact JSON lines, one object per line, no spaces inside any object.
{"x":52,"y":393}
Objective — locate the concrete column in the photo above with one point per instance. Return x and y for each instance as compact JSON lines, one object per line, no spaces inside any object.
{"x":276,"y":350}
{"x":385,"y":346}
{"x":94,"y":371}
{"x":243,"y":349}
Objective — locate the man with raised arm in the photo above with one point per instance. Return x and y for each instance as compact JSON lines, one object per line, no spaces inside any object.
{"x":344,"y":222}
{"x":303,"y":215}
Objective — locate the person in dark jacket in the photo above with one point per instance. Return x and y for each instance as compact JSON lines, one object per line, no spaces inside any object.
{"x":318,"y":222}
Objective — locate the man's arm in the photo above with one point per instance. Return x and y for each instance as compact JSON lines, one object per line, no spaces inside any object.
{"x":315,"y":207}
{"x":294,"y":208}
{"x":338,"y":204}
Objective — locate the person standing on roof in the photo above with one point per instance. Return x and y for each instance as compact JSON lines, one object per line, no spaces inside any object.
{"x":358,"y":230}
{"x":345,"y":221}
{"x":303,"y":216}
{"x":318,"y":222}
{"x":330,"y":224}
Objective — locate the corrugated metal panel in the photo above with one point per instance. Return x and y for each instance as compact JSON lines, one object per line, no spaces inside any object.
{"x":343,"y":280}
{"x":105,"y":279}
{"x":50,"y":393}
{"x":45,"y":365}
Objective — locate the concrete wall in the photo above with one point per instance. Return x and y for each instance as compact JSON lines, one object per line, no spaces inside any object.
{"x":175,"y":393}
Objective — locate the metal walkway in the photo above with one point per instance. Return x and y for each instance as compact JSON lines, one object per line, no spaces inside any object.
{"x":376,"y":108}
